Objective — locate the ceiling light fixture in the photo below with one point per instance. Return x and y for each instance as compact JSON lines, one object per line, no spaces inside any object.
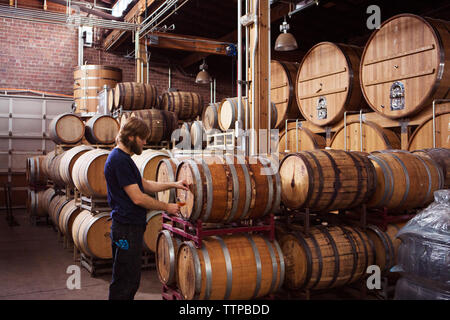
{"x":203,"y":76}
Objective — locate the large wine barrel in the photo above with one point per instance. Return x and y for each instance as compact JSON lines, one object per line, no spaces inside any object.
{"x":441,"y":156}
{"x":405,"y":65}
{"x":228,"y":189}
{"x":147,"y":162}
{"x":228,"y":113}
{"x":324,"y":180}
{"x":160,"y":122}
{"x":186,"y":105}
{"x":54,"y":172}
{"x":154,"y":226}
{"x":166,"y":255}
{"x":135,"y":95}
{"x":210,"y":116}
{"x":198,"y":135}
{"x":422,"y":137}
{"x":89,"y":81}
{"x":282,"y":91}
{"x":87,"y":173}
{"x":328,"y":83}
{"x":67,"y":216}
{"x":101,"y":129}
{"x":300,"y":139}
{"x":66,"y":128}
{"x":404,"y":180}
{"x":166,"y":172}
{"x":328,"y":257}
{"x":68,"y":161}
{"x":366,"y":136}
{"x":233,"y":267}
{"x":55,"y":207}
{"x":385,"y":245}
{"x":91,"y":234}
{"x":35,"y":172}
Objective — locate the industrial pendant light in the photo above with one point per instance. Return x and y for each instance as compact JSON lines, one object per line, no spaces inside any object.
{"x":285,"y":41}
{"x":203,"y":76}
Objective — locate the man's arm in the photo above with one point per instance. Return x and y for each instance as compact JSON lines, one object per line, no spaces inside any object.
{"x":153,"y":186}
{"x":143,"y":200}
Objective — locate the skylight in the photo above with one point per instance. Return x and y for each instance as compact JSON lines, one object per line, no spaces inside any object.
{"x":119,"y":7}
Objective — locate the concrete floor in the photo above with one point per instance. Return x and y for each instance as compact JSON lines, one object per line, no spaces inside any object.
{"x":33,"y":266}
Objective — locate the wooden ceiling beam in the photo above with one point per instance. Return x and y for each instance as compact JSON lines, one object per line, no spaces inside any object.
{"x":276,"y":14}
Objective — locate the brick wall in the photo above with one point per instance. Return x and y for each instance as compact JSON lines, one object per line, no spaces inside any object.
{"x":42,"y":56}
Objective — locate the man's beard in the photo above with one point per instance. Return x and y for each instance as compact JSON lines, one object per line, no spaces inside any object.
{"x":134,"y":147}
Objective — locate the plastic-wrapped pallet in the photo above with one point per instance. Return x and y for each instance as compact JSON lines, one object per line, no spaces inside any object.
{"x":424,"y":254}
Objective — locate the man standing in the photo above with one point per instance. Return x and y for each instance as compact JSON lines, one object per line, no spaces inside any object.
{"x":128,"y":199}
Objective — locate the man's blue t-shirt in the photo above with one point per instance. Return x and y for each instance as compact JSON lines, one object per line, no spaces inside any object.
{"x":121,"y":171}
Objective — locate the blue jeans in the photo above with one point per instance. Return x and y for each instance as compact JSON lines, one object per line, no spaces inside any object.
{"x":127,"y":242}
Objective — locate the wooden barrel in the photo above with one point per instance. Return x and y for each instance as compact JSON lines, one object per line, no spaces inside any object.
{"x":160,"y":122}
{"x":35,"y":172}
{"x":186,"y":105}
{"x":441,"y":156}
{"x":54,"y":173}
{"x":328,"y":83}
{"x":405,"y":65}
{"x":125,"y":115}
{"x":111,"y":107}
{"x":228,"y":113}
{"x":228,"y":189}
{"x":366,"y":136}
{"x":67,"y":216}
{"x":404,"y":180}
{"x":282,"y":91}
{"x":154,"y":226}
{"x":300,"y":139}
{"x":198,"y":135}
{"x":135,"y":95}
{"x":385,"y":244}
{"x":91,"y":234}
{"x":147,"y":162}
{"x":101,"y":129}
{"x":89,"y":81}
{"x":38,"y":202}
{"x":328,"y":257}
{"x":55,"y":207}
{"x":47,"y":160}
{"x":66,"y":128}
{"x":324,"y":180}
{"x":87,"y":173}
{"x":68,"y":161}
{"x":166,"y":172}
{"x":422,"y":137}
{"x":210,"y":116}
{"x":166,"y":257}
{"x":235,"y":267}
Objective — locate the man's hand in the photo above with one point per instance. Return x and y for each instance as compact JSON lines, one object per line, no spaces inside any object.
{"x":182,"y":184}
{"x":173,"y":209}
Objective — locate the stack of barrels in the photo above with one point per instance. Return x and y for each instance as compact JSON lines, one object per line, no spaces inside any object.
{"x":223,"y":190}
{"x":160,"y":113}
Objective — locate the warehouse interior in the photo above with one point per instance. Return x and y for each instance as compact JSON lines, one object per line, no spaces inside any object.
{"x":359,"y":107}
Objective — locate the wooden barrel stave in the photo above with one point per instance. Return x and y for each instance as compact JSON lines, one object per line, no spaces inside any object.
{"x":186,"y":105}
{"x":67,"y":216}
{"x":441,"y":156}
{"x":422,"y":137}
{"x":147,"y":162}
{"x":210,"y":116}
{"x":35,"y":172}
{"x":166,"y":254}
{"x":154,"y":226}
{"x":160,"y":122}
{"x":68,"y":161}
{"x":165,"y":172}
{"x":301,"y":138}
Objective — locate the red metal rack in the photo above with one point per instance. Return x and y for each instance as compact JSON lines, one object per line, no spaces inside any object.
{"x":196,"y":232}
